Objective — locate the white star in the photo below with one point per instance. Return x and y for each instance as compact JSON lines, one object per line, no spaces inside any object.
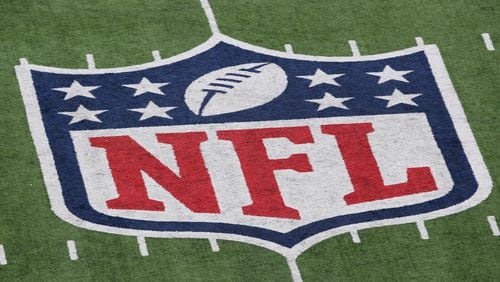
{"x":146,"y":86}
{"x":83,"y":113}
{"x":330,"y":101}
{"x":390,"y":74}
{"x":320,"y":77}
{"x":152,"y":110}
{"x":76,"y":89}
{"x":398,"y":97}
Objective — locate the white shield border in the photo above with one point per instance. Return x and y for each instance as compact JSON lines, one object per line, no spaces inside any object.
{"x":452,"y":103}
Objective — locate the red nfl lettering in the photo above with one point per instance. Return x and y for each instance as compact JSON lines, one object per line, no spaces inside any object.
{"x":127,"y":159}
{"x":259,"y":169}
{"x":366,"y":178}
{"x":194,"y":188}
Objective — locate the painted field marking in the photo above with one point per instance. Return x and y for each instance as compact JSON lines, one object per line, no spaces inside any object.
{"x":355,"y":237}
{"x":210,"y":16}
{"x":291,"y":261}
{"x":156,"y":55}
{"x":3,"y":257}
{"x":143,"y":248}
{"x":488,"y":42}
{"x":90,"y":61}
{"x":420,"y":41}
{"x":354,"y":48}
{"x":422,"y":230}
{"x":493,"y":225}
{"x":73,"y":254}
{"x":214,"y":245}
{"x":294,"y":269}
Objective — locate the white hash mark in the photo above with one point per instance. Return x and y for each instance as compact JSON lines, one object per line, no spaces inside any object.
{"x":493,"y":225}
{"x":156,"y":55}
{"x":3,"y":257}
{"x":355,"y":237}
{"x":354,"y":48}
{"x":424,"y":235}
{"x":73,"y":254}
{"x":143,"y":248}
{"x":488,"y":42}
{"x":214,"y":245}
{"x":90,"y":61}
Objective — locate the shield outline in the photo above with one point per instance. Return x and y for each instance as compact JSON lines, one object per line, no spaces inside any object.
{"x":450,"y":97}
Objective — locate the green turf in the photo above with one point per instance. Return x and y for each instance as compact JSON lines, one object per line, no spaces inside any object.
{"x":123,"y":32}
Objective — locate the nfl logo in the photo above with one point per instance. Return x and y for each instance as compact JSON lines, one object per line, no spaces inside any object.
{"x":238,"y":142}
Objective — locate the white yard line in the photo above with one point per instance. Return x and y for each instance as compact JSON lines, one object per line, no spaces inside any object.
{"x":3,"y":257}
{"x":143,"y":248}
{"x":214,"y":245}
{"x":156,"y":55}
{"x":488,"y":42}
{"x":355,"y":237}
{"x":289,"y":48}
{"x":210,"y":16}
{"x":420,"y":41}
{"x":354,"y":48}
{"x":73,"y":254}
{"x":422,"y":230}
{"x":294,"y":269}
{"x":493,"y":225}
{"x":90,"y":61}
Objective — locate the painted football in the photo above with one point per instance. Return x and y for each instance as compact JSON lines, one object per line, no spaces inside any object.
{"x":235,"y":88}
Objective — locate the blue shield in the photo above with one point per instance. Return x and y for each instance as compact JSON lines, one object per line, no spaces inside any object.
{"x":225,"y":85}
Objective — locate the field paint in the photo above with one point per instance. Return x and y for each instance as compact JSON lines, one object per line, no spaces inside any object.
{"x":493,"y":225}
{"x":210,"y":16}
{"x":143,"y":248}
{"x":90,"y":61}
{"x":444,"y":83}
{"x":3,"y":258}
{"x":73,"y":254}
{"x":23,"y":61}
{"x":422,"y":230}
{"x":488,"y":42}
{"x":289,"y":48}
{"x":355,"y":237}
{"x":420,"y":41}
{"x":214,"y":245}
{"x":156,"y":55}
{"x":294,"y":269}
{"x":354,"y":48}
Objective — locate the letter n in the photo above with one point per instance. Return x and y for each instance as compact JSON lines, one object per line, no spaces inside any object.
{"x":127,"y":159}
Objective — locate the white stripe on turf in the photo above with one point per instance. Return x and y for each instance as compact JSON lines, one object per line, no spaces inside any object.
{"x":493,"y":225}
{"x":289,"y":48}
{"x":488,"y":42}
{"x":90,"y":61}
{"x":210,"y":16}
{"x":3,"y":258}
{"x":422,"y":230}
{"x":294,"y":269}
{"x":355,"y":237}
{"x":420,"y":41}
{"x":156,"y":55}
{"x":354,"y":48}
{"x":214,"y":245}
{"x":143,"y":247}
{"x":73,"y":254}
